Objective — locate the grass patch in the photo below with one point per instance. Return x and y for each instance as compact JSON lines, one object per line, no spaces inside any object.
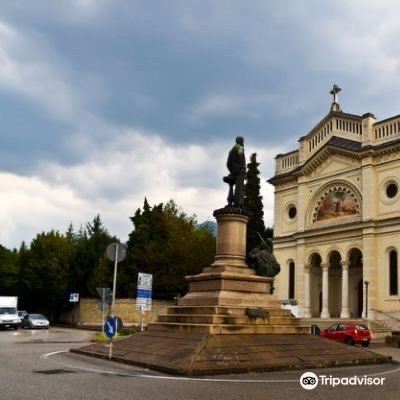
{"x":102,"y":338}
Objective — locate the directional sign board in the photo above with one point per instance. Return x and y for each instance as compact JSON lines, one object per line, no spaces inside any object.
{"x":110,"y":327}
{"x":111,"y":250}
{"x":74,"y":297}
{"x":144,"y":291}
{"x":105,"y":294}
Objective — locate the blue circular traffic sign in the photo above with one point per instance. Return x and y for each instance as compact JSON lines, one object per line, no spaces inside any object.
{"x":110,"y":327}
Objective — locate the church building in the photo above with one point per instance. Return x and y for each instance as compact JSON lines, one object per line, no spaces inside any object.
{"x":337,"y":217}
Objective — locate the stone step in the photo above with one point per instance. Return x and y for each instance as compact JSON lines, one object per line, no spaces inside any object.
{"x":221,"y":329}
{"x":223,"y":319}
{"x":221,"y":310}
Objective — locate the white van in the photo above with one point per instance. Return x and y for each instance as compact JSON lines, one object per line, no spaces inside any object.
{"x":8,"y":312}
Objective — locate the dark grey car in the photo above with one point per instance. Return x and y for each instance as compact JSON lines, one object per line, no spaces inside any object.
{"x":35,"y":321}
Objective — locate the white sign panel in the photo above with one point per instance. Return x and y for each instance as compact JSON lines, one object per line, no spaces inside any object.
{"x":74,"y":297}
{"x":145,"y":281}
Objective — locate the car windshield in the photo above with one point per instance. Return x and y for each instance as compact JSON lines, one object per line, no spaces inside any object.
{"x":332,"y":328}
{"x":36,"y":316}
{"x":8,"y":310}
{"x":362,"y":327}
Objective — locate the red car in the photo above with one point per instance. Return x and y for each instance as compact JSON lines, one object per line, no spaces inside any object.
{"x":349,"y":333}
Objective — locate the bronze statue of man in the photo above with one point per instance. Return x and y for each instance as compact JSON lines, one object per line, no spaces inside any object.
{"x":236,"y":164}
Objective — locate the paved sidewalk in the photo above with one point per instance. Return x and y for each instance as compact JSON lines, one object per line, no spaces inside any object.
{"x":382,"y":348}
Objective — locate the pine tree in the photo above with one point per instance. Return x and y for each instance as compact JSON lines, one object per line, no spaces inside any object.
{"x":253,"y":203}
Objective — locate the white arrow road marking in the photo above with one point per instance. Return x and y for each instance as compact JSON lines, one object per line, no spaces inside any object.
{"x":110,"y":328}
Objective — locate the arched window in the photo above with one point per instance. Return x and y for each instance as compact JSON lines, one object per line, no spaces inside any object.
{"x":393,"y":274}
{"x":291,"y":280}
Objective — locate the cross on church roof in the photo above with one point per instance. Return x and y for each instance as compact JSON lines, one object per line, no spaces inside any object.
{"x":335,"y":105}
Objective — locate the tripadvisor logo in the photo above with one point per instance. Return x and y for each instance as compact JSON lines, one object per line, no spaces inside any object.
{"x":309,"y":380}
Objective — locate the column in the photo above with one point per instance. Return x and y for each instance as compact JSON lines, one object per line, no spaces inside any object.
{"x":345,"y":289}
{"x":307,"y":313}
{"x":325,"y":290}
{"x":370,"y":272}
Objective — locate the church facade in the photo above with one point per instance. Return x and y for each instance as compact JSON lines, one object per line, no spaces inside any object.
{"x":337,"y":217}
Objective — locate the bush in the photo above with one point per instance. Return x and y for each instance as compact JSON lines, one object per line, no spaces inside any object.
{"x":128,"y":331}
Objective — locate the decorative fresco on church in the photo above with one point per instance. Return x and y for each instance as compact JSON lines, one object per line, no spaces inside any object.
{"x":336,"y":204}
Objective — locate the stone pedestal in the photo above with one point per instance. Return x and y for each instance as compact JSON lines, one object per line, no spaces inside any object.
{"x":219,"y":298}
{"x":229,"y":281}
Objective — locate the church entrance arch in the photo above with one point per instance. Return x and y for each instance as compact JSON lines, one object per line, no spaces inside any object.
{"x":315,"y":285}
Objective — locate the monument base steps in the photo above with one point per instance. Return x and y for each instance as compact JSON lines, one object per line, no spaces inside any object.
{"x":200,"y":353}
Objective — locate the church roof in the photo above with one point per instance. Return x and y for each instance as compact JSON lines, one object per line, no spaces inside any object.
{"x":339,"y":143}
{"x":344,"y":143}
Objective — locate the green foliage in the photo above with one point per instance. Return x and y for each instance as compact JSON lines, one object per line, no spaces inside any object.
{"x":8,"y":271}
{"x":87,"y":260}
{"x":165,"y":243}
{"x":128,"y":330}
{"x":46,"y":270}
{"x":253,"y":203}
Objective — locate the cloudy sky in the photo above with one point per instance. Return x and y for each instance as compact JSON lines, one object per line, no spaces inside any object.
{"x":103,"y":102}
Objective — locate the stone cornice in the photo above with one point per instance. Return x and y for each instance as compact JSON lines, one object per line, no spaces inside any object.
{"x":343,"y":228}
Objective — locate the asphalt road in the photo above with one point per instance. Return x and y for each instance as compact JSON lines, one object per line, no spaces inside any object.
{"x":37,"y":365}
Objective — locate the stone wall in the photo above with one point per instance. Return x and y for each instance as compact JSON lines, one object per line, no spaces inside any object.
{"x":87,"y":312}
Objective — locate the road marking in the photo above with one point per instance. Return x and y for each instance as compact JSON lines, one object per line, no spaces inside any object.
{"x":44,"y":356}
{"x":183,"y":378}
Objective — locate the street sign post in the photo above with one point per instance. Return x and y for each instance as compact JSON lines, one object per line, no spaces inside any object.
{"x":106,"y":299}
{"x":115,"y":252}
{"x":110,"y":327}
{"x":110,"y":330}
{"x":74,"y":299}
{"x":143,"y":295}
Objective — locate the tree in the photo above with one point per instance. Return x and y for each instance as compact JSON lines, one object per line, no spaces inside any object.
{"x":22,"y":263}
{"x":165,"y":243}
{"x":8,"y":271}
{"x":46,"y":273}
{"x":253,"y":203}
{"x":89,"y":246}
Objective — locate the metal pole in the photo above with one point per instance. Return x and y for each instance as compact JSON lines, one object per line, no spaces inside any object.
{"x":103,"y":298}
{"x":113,"y":295}
{"x":141,"y":319}
{"x":114,"y":281}
{"x":110,"y":350}
{"x":366,"y":298}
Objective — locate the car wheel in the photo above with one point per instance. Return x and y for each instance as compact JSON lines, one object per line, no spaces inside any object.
{"x":365,"y":344}
{"x":349,"y":341}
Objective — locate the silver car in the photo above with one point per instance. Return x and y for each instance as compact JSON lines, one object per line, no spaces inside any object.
{"x":35,"y":321}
